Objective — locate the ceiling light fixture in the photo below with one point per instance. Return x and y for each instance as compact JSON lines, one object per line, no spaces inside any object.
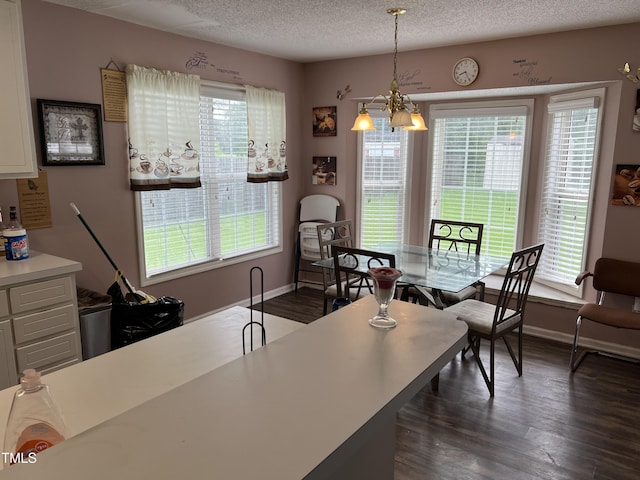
{"x":395,"y":103}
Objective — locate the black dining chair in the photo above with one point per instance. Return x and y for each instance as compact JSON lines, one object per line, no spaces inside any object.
{"x":331,"y":235}
{"x":451,"y":235}
{"x":351,"y":265}
{"x":492,"y":322}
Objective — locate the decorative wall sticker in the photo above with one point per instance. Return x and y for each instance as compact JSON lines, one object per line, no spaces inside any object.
{"x":341,"y":94}
{"x":197,"y":60}
{"x":528,"y":70}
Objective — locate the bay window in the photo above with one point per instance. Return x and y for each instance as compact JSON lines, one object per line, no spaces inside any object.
{"x":478,"y":165}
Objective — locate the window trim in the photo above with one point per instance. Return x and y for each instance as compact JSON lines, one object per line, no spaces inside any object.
{"x":575,"y":97}
{"x":209,"y":264}
{"x":359,"y":181}
{"x":476,"y":109}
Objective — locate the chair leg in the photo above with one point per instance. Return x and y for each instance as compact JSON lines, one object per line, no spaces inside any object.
{"x":324,"y":307}
{"x":404,"y":294}
{"x":480,"y":288}
{"x":517,"y":362}
{"x":297,"y":269}
{"x":520,"y":351}
{"x":576,"y":360}
{"x":573,"y":362}
{"x":474,"y":344}
{"x":492,"y":361}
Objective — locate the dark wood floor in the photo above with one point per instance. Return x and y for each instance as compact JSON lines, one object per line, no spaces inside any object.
{"x":547,"y":424}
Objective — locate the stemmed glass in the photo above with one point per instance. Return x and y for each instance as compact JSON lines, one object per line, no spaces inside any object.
{"x":384,"y":288}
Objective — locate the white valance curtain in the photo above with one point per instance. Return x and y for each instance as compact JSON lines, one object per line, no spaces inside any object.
{"x":164,"y":129}
{"x":266,"y":123}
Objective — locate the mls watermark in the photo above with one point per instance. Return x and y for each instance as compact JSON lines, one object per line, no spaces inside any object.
{"x":9,"y":458}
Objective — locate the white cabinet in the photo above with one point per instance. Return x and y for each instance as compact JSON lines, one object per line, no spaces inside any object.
{"x":7,"y":360}
{"x":18,"y":159}
{"x":39,"y":324}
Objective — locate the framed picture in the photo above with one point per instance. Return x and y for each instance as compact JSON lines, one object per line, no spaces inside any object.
{"x":636,"y":113}
{"x":70,"y":133}
{"x":626,"y":185}
{"x":325,"y":121}
{"x":324,"y":171}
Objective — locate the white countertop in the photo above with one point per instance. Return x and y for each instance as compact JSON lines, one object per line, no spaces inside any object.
{"x":105,"y":386}
{"x":37,"y":266}
{"x":285,"y":411}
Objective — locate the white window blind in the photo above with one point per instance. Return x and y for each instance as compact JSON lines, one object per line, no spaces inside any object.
{"x":224,"y":219}
{"x":383,"y":183}
{"x":477,"y":167}
{"x":570,"y":162}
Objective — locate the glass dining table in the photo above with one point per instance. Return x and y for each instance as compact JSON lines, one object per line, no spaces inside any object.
{"x":431,"y":270}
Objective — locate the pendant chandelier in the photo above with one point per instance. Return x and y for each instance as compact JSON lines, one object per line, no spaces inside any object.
{"x":395,"y":103}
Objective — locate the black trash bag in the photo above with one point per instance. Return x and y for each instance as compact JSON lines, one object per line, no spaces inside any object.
{"x":132,"y":321}
{"x":115,"y":292}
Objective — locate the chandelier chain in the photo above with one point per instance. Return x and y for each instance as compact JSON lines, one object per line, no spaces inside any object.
{"x":396,"y":102}
{"x":395,"y":50}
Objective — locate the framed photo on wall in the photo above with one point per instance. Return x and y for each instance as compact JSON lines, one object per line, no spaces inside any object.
{"x":626,"y":185}
{"x":325,"y":121}
{"x":324,"y":171}
{"x":70,"y":133}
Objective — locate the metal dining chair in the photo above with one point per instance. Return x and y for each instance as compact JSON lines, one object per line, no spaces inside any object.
{"x":464,"y":237}
{"x":350,"y":265}
{"x":492,"y":322}
{"x":331,"y":235}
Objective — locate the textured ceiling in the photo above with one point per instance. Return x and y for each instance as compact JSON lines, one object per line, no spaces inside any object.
{"x":311,"y":30}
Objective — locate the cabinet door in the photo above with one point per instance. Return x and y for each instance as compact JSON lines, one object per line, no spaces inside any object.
{"x":37,"y":295}
{"x":48,"y":352}
{"x":18,"y":158}
{"x":31,"y":327}
{"x":8,"y":375}
{"x":4,"y":304}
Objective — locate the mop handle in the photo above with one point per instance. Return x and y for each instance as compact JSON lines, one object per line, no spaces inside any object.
{"x":126,"y":282}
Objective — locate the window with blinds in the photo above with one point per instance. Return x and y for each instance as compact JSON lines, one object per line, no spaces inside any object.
{"x":227,"y":219}
{"x":383,"y":183}
{"x":477,"y":166}
{"x":570,"y":161}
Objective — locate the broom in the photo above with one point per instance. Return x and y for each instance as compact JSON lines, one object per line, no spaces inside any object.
{"x":134,"y":295}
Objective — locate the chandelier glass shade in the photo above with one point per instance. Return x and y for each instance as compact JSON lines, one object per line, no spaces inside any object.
{"x":396,"y":103}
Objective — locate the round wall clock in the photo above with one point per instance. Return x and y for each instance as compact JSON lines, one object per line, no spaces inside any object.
{"x":465,"y":71}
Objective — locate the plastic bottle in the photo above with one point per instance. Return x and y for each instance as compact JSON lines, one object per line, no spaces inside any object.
{"x":16,"y":243}
{"x":13,"y":218}
{"x":35,"y":422}
{"x":2,"y":227}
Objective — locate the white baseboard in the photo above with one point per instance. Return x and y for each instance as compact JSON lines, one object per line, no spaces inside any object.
{"x":584,"y":342}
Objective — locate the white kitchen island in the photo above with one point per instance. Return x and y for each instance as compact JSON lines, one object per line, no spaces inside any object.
{"x":319,"y":402}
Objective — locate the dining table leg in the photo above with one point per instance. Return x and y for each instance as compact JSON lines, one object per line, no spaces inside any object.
{"x":433,"y":297}
{"x":435,"y":383}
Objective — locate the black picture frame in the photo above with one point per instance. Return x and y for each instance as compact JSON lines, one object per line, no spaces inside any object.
{"x":70,"y":133}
